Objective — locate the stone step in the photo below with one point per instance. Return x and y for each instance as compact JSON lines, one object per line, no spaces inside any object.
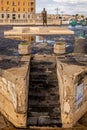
{"x":44,"y":103}
{"x":43,"y":66}
{"x":41,"y":62}
{"x":39,"y":68}
{"x":41,"y":77}
{"x":44,"y":121}
{"x":45,"y":87}
{"x":41,"y":108}
{"x":41,"y":89}
{"x":38,"y":74}
{"x":36,"y":69}
{"x":43,"y":82}
{"x":35,"y":92}
{"x":44,"y":74}
{"x":44,"y":96}
{"x":36,"y":86}
{"x":37,"y":114}
{"x":54,"y":114}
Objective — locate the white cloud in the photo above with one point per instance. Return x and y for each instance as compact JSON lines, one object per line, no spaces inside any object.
{"x":71,"y":1}
{"x":67,"y":6}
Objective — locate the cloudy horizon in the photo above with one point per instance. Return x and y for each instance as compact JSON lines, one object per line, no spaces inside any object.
{"x":64,"y":6}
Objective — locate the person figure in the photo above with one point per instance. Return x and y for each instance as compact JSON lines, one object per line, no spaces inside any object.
{"x":44,"y":16}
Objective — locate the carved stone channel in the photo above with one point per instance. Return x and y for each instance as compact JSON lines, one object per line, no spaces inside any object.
{"x":44,"y":104}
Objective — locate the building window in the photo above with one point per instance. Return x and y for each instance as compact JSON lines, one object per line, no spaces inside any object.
{"x":23,"y":3}
{"x":13,"y":9}
{"x":2,"y":15}
{"x":7,"y":2}
{"x":32,"y":9}
{"x":8,"y":15}
{"x":2,"y":8}
{"x":18,"y":3}
{"x":32,"y":3}
{"x":18,"y":15}
{"x":13,"y":3}
{"x":28,"y":3}
{"x":23,"y":9}
{"x":28,"y":10}
{"x":18,"y":9}
{"x":23,"y":15}
{"x":13,"y":16}
{"x":2,"y":2}
{"x":28,"y":16}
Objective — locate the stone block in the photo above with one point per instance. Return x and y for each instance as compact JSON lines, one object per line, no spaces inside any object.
{"x":59,"y":49}
{"x":79,"y":46}
{"x":72,"y":87}
{"x":14,"y":83}
{"x":24,"y":49}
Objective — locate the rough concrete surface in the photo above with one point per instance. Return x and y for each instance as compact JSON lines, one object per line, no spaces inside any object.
{"x":14,"y":90}
{"x":4,"y":124}
{"x":72,"y":77}
{"x":13,"y":86}
{"x":38,"y":30}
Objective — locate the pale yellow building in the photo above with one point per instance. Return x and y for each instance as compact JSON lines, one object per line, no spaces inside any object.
{"x":17,"y":9}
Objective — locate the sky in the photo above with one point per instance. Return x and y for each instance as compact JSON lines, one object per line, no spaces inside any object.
{"x":64,"y":6}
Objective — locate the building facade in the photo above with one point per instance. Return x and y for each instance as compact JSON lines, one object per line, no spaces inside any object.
{"x":17,"y":10}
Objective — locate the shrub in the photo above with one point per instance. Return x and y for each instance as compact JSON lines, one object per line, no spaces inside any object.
{"x":60,"y":43}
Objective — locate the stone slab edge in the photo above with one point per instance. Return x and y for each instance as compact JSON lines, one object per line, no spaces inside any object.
{"x":14,"y":93}
{"x":69,"y":112}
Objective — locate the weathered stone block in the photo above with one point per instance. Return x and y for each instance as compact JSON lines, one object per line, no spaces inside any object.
{"x":59,"y":48}
{"x":14,"y":83}
{"x":72,"y":87}
{"x":24,"y":49}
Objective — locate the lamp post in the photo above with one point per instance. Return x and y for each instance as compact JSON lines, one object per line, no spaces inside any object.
{"x":62,"y":13}
{"x":57,"y":9}
{"x":62,"y":16}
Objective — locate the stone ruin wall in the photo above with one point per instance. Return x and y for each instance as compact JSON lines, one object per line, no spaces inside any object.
{"x":73,"y":95}
{"x":13,"y":97}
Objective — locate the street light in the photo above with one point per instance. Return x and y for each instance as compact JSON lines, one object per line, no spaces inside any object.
{"x":62,"y":16}
{"x":57,"y":9}
{"x":62,"y":13}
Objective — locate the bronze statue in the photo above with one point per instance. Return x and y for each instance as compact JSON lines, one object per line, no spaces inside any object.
{"x":44,"y":15}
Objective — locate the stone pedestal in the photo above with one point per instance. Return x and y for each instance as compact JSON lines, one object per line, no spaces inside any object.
{"x":59,"y":48}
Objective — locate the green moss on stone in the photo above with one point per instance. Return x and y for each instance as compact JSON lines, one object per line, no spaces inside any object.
{"x":60,"y":43}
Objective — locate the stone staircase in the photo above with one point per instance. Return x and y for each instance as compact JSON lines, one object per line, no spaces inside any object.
{"x":43,"y":105}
